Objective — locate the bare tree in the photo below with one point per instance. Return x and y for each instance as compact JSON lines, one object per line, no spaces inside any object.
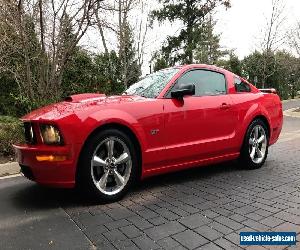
{"x":123,"y":9}
{"x":58,"y":26}
{"x":143,"y":25}
{"x":114,"y":16}
{"x":273,"y":37}
{"x":294,"y":39}
{"x":102,"y":24}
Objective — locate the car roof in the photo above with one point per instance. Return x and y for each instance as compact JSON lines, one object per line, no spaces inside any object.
{"x":206,"y":66}
{"x":202,"y":66}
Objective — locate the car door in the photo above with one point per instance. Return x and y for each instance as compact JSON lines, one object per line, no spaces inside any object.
{"x":199,"y":126}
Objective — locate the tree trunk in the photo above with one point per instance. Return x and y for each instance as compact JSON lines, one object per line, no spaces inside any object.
{"x":189,"y":42}
{"x":24,"y":38}
{"x":100,"y":28}
{"x":41,"y":24}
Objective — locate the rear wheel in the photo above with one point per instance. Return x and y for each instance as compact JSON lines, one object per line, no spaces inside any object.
{"x":108,"y":165}
{"x":255,"y":147}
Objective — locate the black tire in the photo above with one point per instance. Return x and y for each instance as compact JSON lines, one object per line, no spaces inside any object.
{"x":245,"y":159}
{"x":85,"y":174}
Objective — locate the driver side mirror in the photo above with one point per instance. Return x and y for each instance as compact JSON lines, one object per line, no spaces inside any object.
{"x":183,"y":90}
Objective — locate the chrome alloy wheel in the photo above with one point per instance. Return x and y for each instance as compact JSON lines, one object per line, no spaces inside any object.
{"x":257,"y":144}
{"x":111,"y":165}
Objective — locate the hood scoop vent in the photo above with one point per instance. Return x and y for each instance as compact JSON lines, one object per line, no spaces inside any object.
{"x":87,"y":97}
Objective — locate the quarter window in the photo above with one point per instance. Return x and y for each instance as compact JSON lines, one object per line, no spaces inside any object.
{"x":241,"y":86}
{"x":206,"y":82}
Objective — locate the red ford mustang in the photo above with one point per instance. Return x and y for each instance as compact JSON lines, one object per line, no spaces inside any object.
{"x":176,"y":118}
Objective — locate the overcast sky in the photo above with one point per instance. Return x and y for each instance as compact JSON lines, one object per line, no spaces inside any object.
{"x":240,"y":27}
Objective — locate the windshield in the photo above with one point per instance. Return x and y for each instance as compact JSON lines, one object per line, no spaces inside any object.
{"x":151,"y":85}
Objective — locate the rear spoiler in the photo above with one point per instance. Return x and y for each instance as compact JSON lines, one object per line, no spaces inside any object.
{"x":271,"y":91}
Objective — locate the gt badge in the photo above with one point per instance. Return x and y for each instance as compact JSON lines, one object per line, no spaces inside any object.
{"x":154,"y":131}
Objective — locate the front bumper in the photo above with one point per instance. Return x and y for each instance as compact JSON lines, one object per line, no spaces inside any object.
{"x":56,"y":173}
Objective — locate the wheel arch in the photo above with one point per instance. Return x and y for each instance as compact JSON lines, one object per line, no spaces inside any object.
{"x":259,"y":116}
{"x":264,"y":120}
{"x":114,"y":125}
{"x":245,"y":157}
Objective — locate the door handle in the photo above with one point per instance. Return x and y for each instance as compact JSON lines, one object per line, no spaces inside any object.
{"x":225,"y":106}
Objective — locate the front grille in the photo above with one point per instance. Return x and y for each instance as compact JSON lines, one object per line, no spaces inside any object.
{"x":30,"y":137}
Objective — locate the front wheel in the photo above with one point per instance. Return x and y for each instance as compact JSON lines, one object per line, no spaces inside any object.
{"x":255,"y":147}
{"x":108,"y":165}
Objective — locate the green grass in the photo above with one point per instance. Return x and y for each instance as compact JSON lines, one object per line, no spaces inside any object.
{"x":11,"y":131}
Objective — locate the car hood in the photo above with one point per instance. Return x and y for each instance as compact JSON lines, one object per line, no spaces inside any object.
{"x":79,"y":103}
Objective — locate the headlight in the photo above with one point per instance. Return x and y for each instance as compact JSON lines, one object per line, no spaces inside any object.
{"x":50,"y":134}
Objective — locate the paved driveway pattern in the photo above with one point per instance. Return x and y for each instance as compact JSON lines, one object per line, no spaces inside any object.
{"x":203,"y":208}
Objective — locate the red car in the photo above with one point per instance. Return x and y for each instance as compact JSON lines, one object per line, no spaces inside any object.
{"x":176,"y":118}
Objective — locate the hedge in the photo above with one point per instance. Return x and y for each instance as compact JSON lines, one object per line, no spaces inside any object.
{"x":11,"y":131}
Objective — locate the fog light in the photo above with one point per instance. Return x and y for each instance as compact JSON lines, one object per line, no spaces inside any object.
{"x":51,"y":157}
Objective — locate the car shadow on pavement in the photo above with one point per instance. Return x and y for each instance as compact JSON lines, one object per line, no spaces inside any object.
{"x":36,"y":197}
{"x":32,"y":196}
{"x":193,"y":174}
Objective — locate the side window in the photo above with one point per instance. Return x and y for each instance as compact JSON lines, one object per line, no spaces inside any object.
{"x":241,"y":86}
{"x":206,"y":82}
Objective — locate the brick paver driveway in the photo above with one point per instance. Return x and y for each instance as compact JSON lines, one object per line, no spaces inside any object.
{"x":203,"y":208}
